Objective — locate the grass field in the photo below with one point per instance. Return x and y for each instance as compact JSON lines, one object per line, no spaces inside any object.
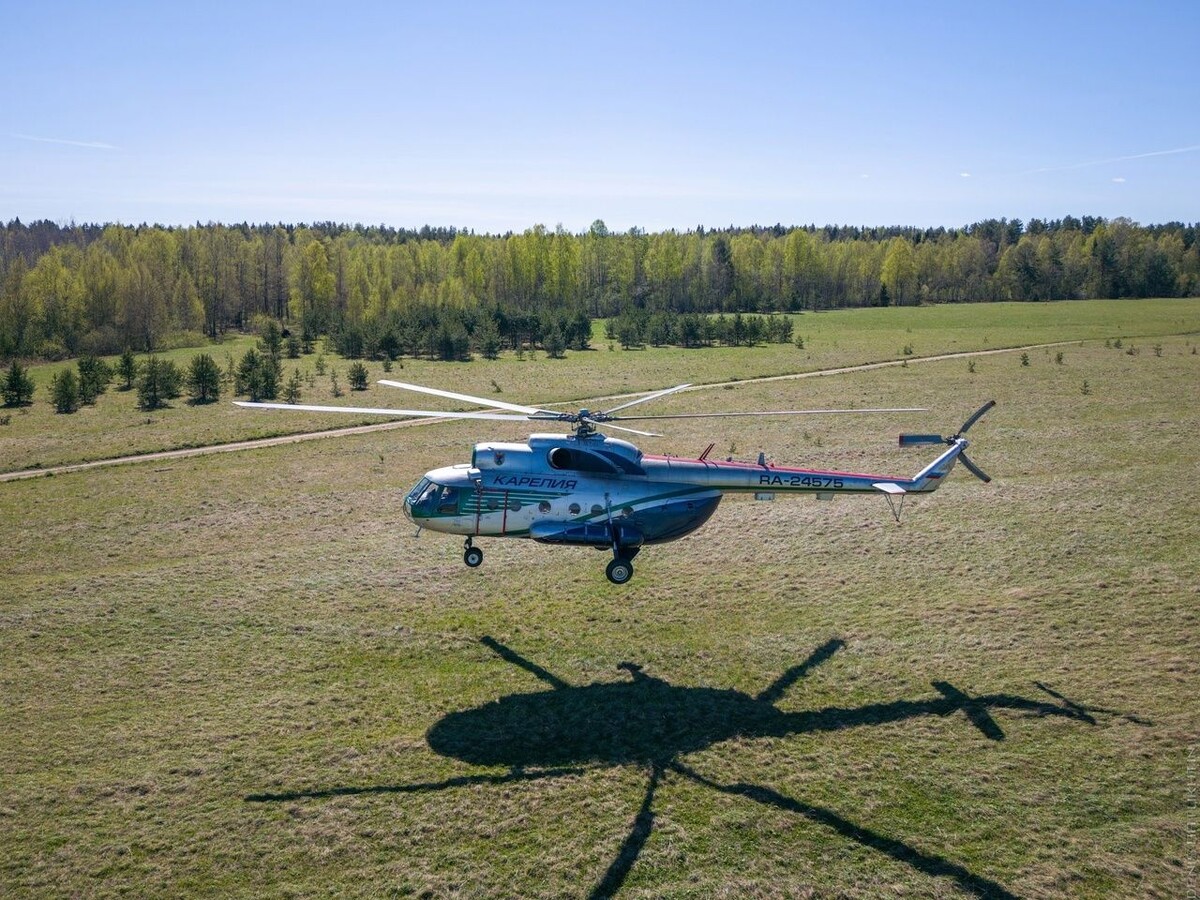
{"x":241,"y":674}
{"x":38,"y":437}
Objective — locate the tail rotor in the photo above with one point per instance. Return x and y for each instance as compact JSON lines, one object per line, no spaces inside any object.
{"x":913,"y":440}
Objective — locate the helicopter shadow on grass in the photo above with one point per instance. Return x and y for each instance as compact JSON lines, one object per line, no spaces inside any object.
{"x":649,"y":723}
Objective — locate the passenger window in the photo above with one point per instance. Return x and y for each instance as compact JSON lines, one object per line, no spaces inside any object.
{"x":514,"y":505}
{"x":544,"y":506}
{"x":493,"y":504}
{"x":573,"y":509}
{"x":597,"y":509}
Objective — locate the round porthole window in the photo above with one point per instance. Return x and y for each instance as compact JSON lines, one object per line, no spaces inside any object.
{"x":493,"y":504}
{"x":544,"y":506}
{"x":573,"y":509}
{"x":597,"y":509}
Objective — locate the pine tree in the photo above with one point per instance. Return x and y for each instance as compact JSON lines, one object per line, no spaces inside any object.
{"x":18,"y":386}
{"x":271,"y":341}
{"x":203,"y":379}
{"x":554,"y":343}
{"x":159,"y":381}
{"x":64,"y":390}
{"x":291,"y":391}
{"x":94,"y":378}
{"x":357,"y":376}
{"x":127,"y":368}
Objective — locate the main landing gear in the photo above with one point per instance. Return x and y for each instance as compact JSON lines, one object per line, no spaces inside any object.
{"x":620,"y":570}
{"x":472,"y":555}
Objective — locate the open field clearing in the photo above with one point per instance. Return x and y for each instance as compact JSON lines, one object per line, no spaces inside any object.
{"x":241,"y":674}
{"x":37,"y":437}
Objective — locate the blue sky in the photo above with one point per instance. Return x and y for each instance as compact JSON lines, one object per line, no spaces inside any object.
{"x":501,"y":116}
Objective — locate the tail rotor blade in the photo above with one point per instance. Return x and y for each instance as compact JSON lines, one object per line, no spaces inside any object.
{"x":914,"y":440}
{"x":977,"y":416}
{"x":974,"y":469}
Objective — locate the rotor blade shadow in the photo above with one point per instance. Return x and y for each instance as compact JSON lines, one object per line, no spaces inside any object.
{"x":1083,"y":711}
{"x":631,"y":847}
{"x":975,"y":711}
{"x":928,"y":863}
{"x":521,"y":662}
{"x":421,"y":788}
{"x":780,"y":685}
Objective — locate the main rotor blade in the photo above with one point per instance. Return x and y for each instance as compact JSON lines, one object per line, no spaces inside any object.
{"x":648,"y":397}
{"x":417,"y":413}
{"x":777,"y":412}
{"x":466,"y":398}
{"x":630,"y":430}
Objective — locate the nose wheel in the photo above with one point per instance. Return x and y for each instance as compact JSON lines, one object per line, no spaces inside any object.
{"x":472,"y":555}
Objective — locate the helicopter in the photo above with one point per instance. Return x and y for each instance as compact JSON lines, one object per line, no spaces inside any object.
{"x":589,"y":489}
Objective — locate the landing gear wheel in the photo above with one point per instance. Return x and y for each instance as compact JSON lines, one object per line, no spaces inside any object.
{"x":619,"y":571}
{"x":473,"y":556}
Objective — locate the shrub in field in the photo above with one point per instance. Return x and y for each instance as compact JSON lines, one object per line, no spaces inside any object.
{"x":18,"y":386}
{"x":64,"y":391}
{"x":203,"y":379}
{"x":160,"y":380}
{"x":357,"y":376}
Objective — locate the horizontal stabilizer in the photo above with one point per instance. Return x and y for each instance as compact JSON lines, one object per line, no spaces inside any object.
{"x":913,"y":440}
{"x":889,"y":487}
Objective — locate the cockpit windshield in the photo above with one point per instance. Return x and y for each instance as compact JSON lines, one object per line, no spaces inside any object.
{"x":431,"y":499}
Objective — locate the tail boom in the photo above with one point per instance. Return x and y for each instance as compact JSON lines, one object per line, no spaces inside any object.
{"x":738,"y":477}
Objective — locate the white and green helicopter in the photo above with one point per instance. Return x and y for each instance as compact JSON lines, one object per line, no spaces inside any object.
{"x":589,"y":489}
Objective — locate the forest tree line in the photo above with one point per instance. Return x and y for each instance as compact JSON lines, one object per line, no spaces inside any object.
{"x":440,"y":292}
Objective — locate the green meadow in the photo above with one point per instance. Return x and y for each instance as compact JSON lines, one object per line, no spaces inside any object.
{"x":243,"y":675}
{"x":38,"y":437}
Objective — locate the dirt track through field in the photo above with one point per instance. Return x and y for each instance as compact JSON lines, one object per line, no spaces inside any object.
{"x":412,"y":423}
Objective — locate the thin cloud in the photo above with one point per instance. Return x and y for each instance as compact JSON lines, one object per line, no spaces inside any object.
{"x":964,"y":174}
{"x":93,"y":145}
{"x":1114,"y":159}
{"x":1118,"y":180}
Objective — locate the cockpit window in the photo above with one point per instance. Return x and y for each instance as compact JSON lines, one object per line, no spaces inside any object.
{"x":417,"y":494}
{"x":430,"y":499}
{"x":447,"y":500}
